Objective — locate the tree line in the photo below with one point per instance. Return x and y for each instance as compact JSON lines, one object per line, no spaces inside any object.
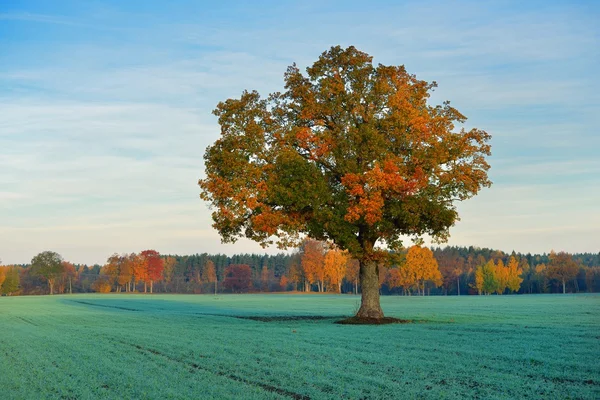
{"x":315,"y":267}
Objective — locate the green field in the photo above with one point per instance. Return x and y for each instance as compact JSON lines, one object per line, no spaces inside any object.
{"x":260,"y":346}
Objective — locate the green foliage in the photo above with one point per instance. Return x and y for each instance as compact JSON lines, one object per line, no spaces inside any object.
{"x":11,"y":282}
{"x":47,"y":265}
{"x":490,"y":282}
{"x":350,"y":152}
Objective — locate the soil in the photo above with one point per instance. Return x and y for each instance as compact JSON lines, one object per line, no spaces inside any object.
{"x":373,"y":321}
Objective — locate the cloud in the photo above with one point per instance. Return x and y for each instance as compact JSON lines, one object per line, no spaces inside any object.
{"x":102,"y":133}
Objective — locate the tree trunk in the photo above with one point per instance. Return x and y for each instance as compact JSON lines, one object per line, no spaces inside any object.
{"x":458,"y":285}
{"x":215,"y":287}
{"x":151,"y":286}
{"x":51,"y":284}
{"x":563,"y":282}
{"x":145,"y":287}
{"x":369,"y":282}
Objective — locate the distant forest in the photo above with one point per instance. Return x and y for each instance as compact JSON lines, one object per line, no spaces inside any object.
{"x":462,"y":271}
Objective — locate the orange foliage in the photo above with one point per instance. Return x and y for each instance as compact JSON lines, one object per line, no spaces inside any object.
{"x":208,"y":272}
{"x":2,"y":275}
{"x":283,"y":282}
{"x":313,"y":260}
{"x":335,"y":268}
{"x":422,"y":266}
{"x":101,"y":285}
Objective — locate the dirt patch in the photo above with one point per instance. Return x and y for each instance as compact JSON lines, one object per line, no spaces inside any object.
{"x":373,"y":321}
{"x":284,"y":318}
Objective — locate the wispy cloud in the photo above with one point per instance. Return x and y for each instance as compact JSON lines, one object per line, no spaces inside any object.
{"x":105,"y":117}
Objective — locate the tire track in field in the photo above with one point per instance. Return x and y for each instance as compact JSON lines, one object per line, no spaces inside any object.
{"x":265,"y":386}
{"x":103,"y":305}
{"x":26,"y":320}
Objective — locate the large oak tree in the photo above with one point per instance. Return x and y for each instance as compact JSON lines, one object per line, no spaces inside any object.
{"x":351,"y":153}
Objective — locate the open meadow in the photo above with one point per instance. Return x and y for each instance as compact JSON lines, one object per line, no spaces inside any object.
{"x":272,"y":347}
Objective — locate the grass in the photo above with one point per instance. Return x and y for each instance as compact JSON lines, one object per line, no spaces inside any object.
{"x":271,"y":347}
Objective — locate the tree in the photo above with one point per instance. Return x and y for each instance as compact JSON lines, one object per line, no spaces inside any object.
{"x":283,"y":282}
{"x":350,"y":153}
{"x":47,"y":265}
{"x":335,"y":268}
{"x":102,"y":284}
{"x":401,"y":277}
{"x":296,"y":274}
{"x":514,"y":273}
{"x":154,"y":265}
{"x":352,"y":274}
{"x":125,"y":271}
{"x":488,"y":271}
{"x":423,"y":266}
{"x":112,"y":269}
{"x":501,"y":277}
{"x":313,"y":260}
{"x":209,"y":274}
{"x":238,"y":278}
{"x":139,"y":269}
{"x":169,"y":269}
{"x":11,"y":280}
{"x":69,"y":272}
{"x":562,"y":267}
{"x":264,"y":279}
{"x":479,"y":278}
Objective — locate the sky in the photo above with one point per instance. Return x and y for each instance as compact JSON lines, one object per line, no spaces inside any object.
{"x":105,"y":112}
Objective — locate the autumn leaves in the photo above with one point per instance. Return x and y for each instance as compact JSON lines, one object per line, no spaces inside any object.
{"x":495,"y":277}
{"x":326,"y":268}
{"x":123,"y":271}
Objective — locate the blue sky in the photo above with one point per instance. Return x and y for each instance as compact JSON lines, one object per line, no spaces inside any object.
{"x":105,"y":112}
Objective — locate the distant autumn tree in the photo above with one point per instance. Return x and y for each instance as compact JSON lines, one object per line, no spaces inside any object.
{"x":421,"y":264}
{"x":69,"y":273}
{"x":264,"y":279}
{"x":312,"y":261}
{"x":542,"y":277}
{"x":335,"y":268}
{"x":169,"y":268}
{"x":350,"y":153}
{"x":514,"y":273}
{"x":102,"y":284}
{"x":562,"y":267}
{"x":112,"y":268}
{"x":48,"y":266}
{"x":283,"y":282}
{"x":139,"y":270}
{"x":401,"y":277}
{"x":11,"y":280}
{"x":238,"y":278}
{"x":296,"y":274}
{"x":154,"y":265}
{"x":501,"y":277}
{"x":209,"y":274}
{"x":353,"y":274}
{"x":126,"y":268}
{"x":485,"y":278}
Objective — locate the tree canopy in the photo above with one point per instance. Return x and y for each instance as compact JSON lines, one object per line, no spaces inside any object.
{"x":351,"y":153}
{"x":48,"y":265}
